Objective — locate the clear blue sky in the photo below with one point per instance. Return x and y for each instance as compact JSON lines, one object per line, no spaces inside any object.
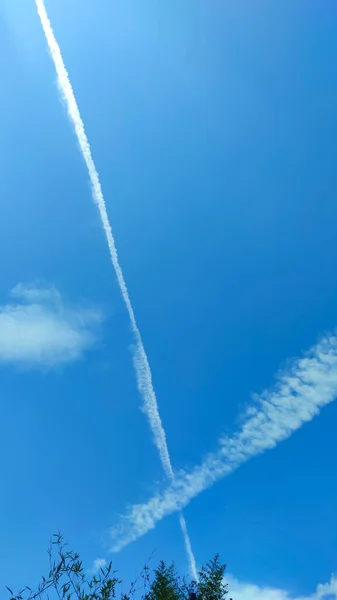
{"x":213,"y":126}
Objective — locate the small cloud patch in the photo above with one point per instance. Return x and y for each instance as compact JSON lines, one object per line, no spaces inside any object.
{"x":38,"y":329}
{"x":99,"y":563}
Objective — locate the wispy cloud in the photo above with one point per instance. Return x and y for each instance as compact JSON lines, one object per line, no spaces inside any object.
{"x":307,"y":385}
{"x":37,"y":329}
{"x":141,"y":363}
{"x":248,"y":591}
{"x":99,"y":563}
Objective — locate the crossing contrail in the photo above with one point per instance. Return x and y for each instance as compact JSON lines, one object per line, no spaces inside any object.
{"x":301,"y":391}
{"x":141,"y":363}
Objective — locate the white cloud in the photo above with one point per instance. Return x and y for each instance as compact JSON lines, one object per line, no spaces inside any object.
{"x":301,"y":391}
{"x":248,"y":591}
{"x":39,"y":330}
{"x":99,"y":563}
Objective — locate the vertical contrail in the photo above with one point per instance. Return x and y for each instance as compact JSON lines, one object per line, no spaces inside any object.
{"x":141,"y":363}
{"x":188,"y":546}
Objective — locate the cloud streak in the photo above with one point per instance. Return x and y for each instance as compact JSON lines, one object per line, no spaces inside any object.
{"x":141,"y":363}
{"x":301,"y":391}
{"x":38,"y":330}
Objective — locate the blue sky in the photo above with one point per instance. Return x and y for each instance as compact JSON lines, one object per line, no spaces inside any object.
{"x":213,"y":128}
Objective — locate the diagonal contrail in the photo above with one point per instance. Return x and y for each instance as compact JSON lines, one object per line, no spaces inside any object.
{"x":141,"y":363}
{"x":308,"y":384}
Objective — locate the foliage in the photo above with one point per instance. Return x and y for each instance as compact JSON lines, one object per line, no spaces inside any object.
{"x":211,"y":584}
{"x":165,"y":585}
{"x":67,"y":580}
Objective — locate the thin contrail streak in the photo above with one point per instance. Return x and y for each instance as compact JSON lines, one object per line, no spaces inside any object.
{"x":141,"y":363}
{"x":188,"y":546}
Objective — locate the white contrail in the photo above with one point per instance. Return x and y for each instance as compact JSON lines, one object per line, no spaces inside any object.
{"x":301,"y":391}
{"x":188,"y":546}
{"x":142,"y":367}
